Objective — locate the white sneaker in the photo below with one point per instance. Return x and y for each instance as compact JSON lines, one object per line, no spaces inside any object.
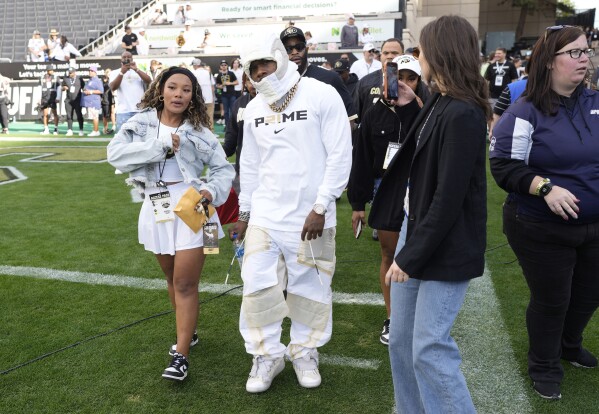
{"x":306,"y":369}
{"x":81,"y":133}
{"x":45,"y":132}
{"x":263,"y":372}
{"x":94,"y":134}
{"x":69,"y":133}
{"x":55,"y":133}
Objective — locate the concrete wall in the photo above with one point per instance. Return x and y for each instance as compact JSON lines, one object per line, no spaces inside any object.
{"x":484,"y":15}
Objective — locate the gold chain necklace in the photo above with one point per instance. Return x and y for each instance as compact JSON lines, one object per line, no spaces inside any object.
{"x":288,"y":99}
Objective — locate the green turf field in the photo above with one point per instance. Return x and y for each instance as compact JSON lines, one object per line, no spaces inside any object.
{"x":72,"y":274}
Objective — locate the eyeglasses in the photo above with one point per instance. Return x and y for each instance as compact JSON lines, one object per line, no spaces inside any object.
{"x":552,"y":29}
{"x":298,"y":46}
{"x":372,"y":51}
{"x":577,"y":53}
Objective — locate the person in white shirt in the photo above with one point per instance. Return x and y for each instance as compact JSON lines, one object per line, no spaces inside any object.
{"x":158,"y":17}
{"x":311,"y":43}
{"x":295,"y":163}
{"x":238,"y":71}
{"x":53,"y":41}
{"x":367,"y":64}
{"x":36,"y":47}
{"x":128,"y":84}
{"x":206,"y":82}
{"x":64,"y":50}
{"x":143,"y":46}
{"x":365,"y":35}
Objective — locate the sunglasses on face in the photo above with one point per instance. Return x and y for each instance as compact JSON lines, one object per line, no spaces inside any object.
{"x":298,"y":46}
{"x":577,"y":53}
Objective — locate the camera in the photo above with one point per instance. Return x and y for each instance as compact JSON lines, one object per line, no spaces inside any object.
{"x":126,"y":61}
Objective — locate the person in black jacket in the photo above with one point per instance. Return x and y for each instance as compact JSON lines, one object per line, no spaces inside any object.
{"x":295,"y":44}
{"x":380,"y":134}
{"x":73,"y":86}
{"x":234,"y":133}
{"x":434,"y":191}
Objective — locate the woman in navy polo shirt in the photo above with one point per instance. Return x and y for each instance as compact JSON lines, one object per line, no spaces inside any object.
{"x":545,"y":153}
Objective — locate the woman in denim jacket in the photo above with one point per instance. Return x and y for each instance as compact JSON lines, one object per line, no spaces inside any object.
{"x":165,"y":149}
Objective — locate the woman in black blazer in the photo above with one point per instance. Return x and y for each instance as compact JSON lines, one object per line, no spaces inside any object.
{"x":434,"y":191}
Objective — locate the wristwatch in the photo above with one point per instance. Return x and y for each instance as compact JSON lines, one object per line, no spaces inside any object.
{"x":319,"y":209}
{"x":545,"y":188}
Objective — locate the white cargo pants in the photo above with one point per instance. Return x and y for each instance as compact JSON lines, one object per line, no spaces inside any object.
{"x":276,"y":261}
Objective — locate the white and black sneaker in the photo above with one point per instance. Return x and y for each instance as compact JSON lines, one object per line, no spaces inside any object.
{"x":194,"y":342}
{"x":385,"y":332}
{"x":177,"y":369}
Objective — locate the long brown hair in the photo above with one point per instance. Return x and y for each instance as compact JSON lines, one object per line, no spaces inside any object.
{"x":538,"y":88}
{"x":196,"y":111}
{"x":450,"y":47}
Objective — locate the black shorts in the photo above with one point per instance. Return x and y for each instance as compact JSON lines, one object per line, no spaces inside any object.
{"x":106,"y":110}
{"x":49,"y":104}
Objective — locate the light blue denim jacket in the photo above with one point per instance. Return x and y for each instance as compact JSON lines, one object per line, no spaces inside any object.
{"x":135,"y":149}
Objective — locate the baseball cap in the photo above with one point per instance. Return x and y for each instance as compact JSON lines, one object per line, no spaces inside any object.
{"x":93,"y":68}
{"x":224,"y":61}
{"x":141,"y":29}
{"x":36,"y":32}
{"x":368,"y":46}
{"x":351,"y":16}
{"x":366,"y":26}
{"x":196,"y":62}
{"x":341,"y":65}
{"x":72,"y":70}
{"x":292,"y":32}
{"x":408,"y":62}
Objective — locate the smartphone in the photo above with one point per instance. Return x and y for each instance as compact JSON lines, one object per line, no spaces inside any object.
{"x":359,"y":229}
{"x":390,"y":87}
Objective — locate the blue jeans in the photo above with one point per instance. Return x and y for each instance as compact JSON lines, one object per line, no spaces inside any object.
{"x":425,"y":360}
{"x":121,"y":119}
{"x":227,"y":101}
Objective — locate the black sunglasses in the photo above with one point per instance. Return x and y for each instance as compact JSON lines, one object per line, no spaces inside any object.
{"x":552,"y":29}
{"x":298,"y":46}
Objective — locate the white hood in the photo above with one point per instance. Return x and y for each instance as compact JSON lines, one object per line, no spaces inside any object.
{"x":275,"y":86}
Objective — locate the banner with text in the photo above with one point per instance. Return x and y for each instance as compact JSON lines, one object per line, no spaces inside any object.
{"x":272,"y":8}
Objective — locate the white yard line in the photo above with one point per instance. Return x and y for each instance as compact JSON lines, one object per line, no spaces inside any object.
{"x":142,"y":283}
{"x":371,"y":364}
{"x":489,"y":363}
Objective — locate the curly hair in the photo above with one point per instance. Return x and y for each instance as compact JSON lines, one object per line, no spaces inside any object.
{"x":196,"y":112}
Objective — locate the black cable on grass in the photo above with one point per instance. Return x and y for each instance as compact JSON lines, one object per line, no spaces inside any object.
{"x":496,"y":247}
{"x":120,"y":328}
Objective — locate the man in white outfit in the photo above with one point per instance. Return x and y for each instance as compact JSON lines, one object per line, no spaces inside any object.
{"x":367,"y":64}
{"x":295,"y":163}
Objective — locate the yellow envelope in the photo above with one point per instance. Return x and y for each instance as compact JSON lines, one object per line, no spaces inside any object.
{"x":186,"y":210}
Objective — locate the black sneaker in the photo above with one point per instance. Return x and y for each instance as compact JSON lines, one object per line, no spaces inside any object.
{"x":584,"y":359}
{"x":177,"y":369}
{"x":547,"y":390}
{"x":385,"y":333}
{"x":194,"y":342}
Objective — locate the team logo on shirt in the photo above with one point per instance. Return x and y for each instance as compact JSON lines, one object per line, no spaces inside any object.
{"x":281,"y":118}
{"x":594,"y":111}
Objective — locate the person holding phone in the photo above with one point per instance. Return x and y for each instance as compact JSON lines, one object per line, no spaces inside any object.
{"x":434,"y":192}
{"x":128,"y":84}
{"x":381,"y":133}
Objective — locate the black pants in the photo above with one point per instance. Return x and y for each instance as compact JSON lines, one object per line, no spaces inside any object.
{"x":70,"y":107}
{"x":3,"y":114}
{"x":560,"y":262}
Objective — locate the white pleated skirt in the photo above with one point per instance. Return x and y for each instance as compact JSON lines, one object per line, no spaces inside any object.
{"x":170,"y":236}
